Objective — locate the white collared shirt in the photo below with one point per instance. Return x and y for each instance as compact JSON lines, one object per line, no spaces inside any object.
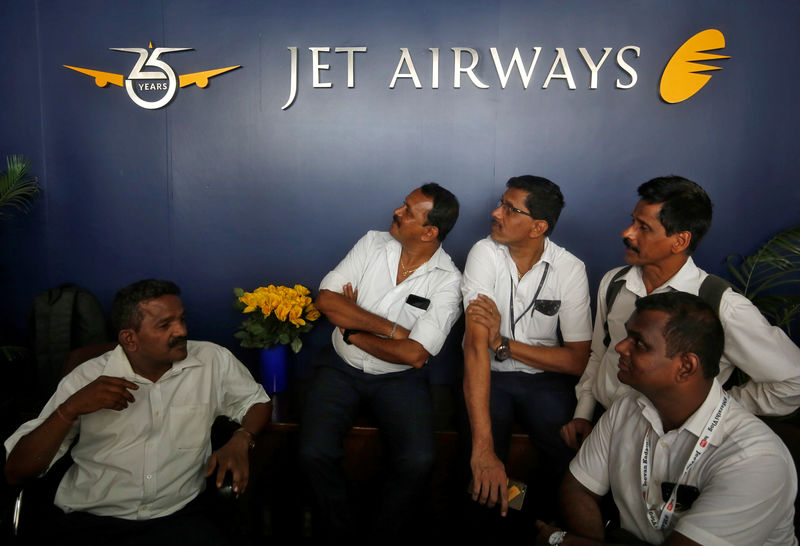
{"x":747,"y":480}
{"x":149,"y":459}
{"x":762,"y":351}
{"x":491,"y":271}
{"x":371,"y":268}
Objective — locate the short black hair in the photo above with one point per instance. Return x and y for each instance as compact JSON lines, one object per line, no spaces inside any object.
{"x":544,"y":200}
{"x":125,"y":311}
{"x":685,"y":206}
{"x":444,"y":213}
{"x":692,"y":327}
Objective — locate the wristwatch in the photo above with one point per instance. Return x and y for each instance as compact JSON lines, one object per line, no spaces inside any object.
{"x":557,"y":537}
{"x":503,"y":350}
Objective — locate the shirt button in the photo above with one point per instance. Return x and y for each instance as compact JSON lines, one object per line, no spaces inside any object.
{"x":149,"y":476}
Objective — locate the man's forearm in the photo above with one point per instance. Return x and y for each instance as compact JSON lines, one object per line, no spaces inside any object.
{"x":570,"y":359}
{"x":398,"y":351}
{"x":477,"y":380}
{"x":580,"y":509}
{"x":345,"y":313}
{"x":257,"y":417}
{"x":33,"y":452}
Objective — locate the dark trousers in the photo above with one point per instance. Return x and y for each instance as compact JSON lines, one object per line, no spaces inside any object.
{"x":195,"y":523}
{"x":540,"y":404}
{"x":401,"y":403}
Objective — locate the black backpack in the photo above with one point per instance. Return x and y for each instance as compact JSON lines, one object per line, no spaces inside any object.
{"x":65,"y":318}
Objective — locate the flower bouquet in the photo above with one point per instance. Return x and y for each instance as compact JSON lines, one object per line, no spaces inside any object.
{"x":275,"y":315}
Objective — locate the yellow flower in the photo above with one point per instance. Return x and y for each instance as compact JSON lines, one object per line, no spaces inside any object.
{"x":312,"y":313}
{"x":302,"y":290}
{"x":282,"y":311}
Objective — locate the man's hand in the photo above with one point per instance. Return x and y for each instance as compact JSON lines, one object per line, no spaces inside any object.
{"x":484,"y":311}
{"x":489,"y":480}
{"x":233,"y":457}
{"x":575,"y":432}
{"x":349,"y":292}
{"x":102,"y":393}
{"x":543,"y":533}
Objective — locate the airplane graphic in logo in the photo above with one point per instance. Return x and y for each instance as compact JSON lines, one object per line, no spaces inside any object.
{"x":682,"y":77}
{"x":163,"y":83}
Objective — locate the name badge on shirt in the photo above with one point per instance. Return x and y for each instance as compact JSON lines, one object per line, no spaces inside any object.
{"x":418,"y":301}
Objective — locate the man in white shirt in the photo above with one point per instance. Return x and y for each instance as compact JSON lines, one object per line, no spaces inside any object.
{"x":143,"y":414}
{"x":393,"y":300}
{"x":521,"y":291}
{"x":671,"y":217}
{"x":685,"y":462}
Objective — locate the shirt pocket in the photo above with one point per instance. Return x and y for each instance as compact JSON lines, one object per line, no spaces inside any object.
{"x":189,"y":426}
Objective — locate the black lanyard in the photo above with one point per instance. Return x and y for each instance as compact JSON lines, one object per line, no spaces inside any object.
{"x":533,"y":301}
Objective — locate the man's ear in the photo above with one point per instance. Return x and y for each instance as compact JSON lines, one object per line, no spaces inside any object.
{"x":128,"y":339}
{"x":680,"y":241}
{"x":688,"y":367}
{"x":538,"y":229}
{"x":431,"y":233}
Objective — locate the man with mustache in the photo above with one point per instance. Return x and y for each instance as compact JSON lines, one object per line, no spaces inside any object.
{"x":528,"y":327}
{"x":685,"y":462}
{"x":393,"y":300}
{"x":672,"y":216}
{"x":142,"y":413}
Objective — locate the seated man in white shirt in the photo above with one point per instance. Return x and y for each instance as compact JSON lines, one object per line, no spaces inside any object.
{"x":521,"y":292}
{"x":672,"y":216}
{"x":142,"y":414}
{"x":393,"y":300}
{"x":736,"y":482}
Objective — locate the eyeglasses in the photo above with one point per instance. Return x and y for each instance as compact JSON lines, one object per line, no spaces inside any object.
{"x":508,"y":208}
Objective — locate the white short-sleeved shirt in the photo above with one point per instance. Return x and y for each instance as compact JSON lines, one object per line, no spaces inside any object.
{"x":762,"y":351}
{"x":149,"y":459}
{"x":427,"y":303}
{"x":746,"y":478}
{"x":491,"y":271}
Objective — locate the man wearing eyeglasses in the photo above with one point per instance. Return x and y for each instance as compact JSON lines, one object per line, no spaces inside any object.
{"x":685,"y":462}
{"x":528,"y":327}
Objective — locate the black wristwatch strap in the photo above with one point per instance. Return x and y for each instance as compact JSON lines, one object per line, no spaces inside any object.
{"x":346,"y":335}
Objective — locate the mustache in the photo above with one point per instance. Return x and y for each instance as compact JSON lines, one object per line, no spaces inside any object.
{"x":628,"y":244}
{"x":174,"y":342}
{"x":495,"y":222}
{"x":396,"y":220}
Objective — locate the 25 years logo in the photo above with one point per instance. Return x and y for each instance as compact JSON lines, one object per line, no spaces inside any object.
{"x":147,"y":88}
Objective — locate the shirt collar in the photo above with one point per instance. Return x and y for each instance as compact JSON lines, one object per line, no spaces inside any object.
{"x":118,"y":365}
{"x":696,"y":422}
{"x":548,"y":254}
{"x":439,"y":260}
{"x":685,"y":280}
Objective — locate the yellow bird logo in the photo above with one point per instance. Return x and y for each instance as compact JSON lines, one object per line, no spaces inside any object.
{"x":682,"y":77}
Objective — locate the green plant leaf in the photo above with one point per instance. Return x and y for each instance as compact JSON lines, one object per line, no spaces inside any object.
{"x":770,"y":277}
{"x":17,"y":186}
{"x":296,"y":345}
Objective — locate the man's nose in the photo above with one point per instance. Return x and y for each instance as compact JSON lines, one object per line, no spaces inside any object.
{"x":627,"y":233}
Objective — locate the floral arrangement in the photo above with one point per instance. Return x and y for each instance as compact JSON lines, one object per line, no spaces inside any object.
{"x":275,"y":314}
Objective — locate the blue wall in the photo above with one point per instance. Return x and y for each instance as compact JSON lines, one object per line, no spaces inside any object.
{"x":223,"y":188}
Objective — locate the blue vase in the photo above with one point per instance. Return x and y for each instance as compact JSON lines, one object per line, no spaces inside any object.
{"x":273,"y":363}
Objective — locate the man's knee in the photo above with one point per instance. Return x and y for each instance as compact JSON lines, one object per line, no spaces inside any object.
{"x":416,"y":463}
